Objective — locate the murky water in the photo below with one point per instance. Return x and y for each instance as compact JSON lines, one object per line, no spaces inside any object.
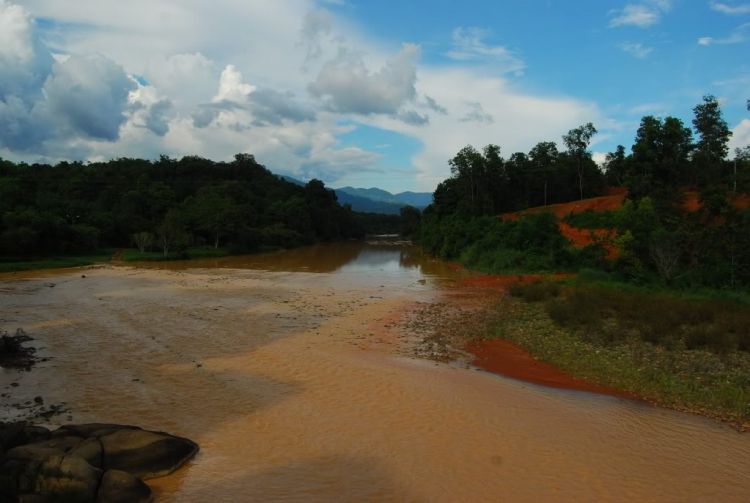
{"x":277,"y":366}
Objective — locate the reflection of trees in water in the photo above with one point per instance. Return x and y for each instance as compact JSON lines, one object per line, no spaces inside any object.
{"x":329,"y":258}
{"x":320,"y":258}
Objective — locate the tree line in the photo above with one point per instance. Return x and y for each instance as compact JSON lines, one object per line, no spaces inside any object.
{"x":167,"y":204}
{"x":655,"y":234}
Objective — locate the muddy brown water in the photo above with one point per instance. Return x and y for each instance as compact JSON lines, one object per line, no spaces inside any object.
{"x":277,"y":366}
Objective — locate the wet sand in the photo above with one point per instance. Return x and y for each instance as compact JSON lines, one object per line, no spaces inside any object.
{"x":293,"y":394}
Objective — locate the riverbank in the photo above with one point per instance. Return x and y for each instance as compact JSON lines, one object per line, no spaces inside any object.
{"x":55,"y":262}
{"x":278,"y":373}
{"x":685,"y":354}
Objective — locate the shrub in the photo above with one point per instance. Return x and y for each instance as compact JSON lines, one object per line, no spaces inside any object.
{"x":536,"y":291}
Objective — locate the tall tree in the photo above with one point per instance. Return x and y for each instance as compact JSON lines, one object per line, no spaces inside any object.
{"x":577,"y":142}
{"x":543,"y":158}
{"x":713,"y":146}
{"x":615,"y":166}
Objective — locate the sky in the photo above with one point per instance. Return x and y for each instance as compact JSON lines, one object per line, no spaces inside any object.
{"x":357,"y":92}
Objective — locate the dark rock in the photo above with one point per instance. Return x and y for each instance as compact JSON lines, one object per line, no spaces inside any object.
{"x":15,"y":434}
{"x":33,"y":451}
{"x":18,"y":476}
{"x":67,"y":478}
{"x":36,"y":498}
{"x":91,"y":429}
{"x":39,"y":400}
{"x":121,"y":487}
{"x":90,"y":450}
{"x":146,"y":454}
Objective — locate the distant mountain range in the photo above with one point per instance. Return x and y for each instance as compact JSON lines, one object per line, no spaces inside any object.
{"x":376,"y":200}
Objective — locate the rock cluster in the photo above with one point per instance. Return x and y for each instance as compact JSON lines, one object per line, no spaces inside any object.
{"x":88,"y":463}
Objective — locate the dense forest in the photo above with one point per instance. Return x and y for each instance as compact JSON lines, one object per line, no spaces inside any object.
{"x":168,"y":205}
{"x":655,"y":236}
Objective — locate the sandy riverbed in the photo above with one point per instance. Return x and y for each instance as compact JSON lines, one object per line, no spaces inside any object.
{"x":297,"y":391}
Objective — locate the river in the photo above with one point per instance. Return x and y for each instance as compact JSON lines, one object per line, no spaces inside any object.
{"x":291,"y":373}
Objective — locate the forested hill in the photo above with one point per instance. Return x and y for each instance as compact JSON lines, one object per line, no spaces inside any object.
{"x":76,"y":207}
{"x":658,"y":234}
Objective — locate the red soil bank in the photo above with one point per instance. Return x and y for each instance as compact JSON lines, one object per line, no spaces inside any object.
{"x":505,"y":358}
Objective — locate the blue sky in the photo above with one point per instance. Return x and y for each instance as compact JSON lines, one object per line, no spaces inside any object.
{"x":357,"y":92}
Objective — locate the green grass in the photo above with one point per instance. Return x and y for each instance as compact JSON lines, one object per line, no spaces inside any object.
{"x":134,"y":255}
{"x":655,"y":285}
{"x":682,"y":353}
{"x":14,"y":264}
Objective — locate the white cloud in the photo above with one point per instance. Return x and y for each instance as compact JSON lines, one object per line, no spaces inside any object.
{"x":261,"y":108}
{"x":599,"y":157}
{"x":469,"y":45}
{"x":641,"y":15}
{"x":638,"y":50}
{"x":740,"y":136}
{"x":345,"y":85}
{"x":188,"y":79}
{"x":520,"y":119}
{"x":732,"y":10}
{"x":739,"y":35}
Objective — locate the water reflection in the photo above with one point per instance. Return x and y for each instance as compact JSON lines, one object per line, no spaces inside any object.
{"x":352,"y":257}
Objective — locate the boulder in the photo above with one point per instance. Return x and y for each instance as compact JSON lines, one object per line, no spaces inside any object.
{"x":40,"y":450}
{"x":15,"y":434}
{"x":18,"y":476}
{"x":90,"y":450}
{"x":91,"y":429}
{"x":32,"y":451}
{"x":146,"y":454}
{"x":67,"y":478}
{"x":121,"y":487}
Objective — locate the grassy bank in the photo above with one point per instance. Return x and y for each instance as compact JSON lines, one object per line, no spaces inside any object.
{"x":18,"y":264}
{"x":132,"y":255}
{"x":691,"y":354}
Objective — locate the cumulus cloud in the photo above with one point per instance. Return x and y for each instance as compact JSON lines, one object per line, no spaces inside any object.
{"x":24,"y":62}
{"x":82,"y":97}
{"x":640,"y":15}
{"x":739,"y":35}
{"x":729,"y":9}
{"x":89,"y":94}
{"x":345,"y":85}
{"x":638,"y":50}
{"x":469,"y":45}
{"x":246,"y":104}
{"x":188,"y":79}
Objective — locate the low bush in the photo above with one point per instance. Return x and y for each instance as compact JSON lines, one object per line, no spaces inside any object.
{"x":537,"y":291}
{"x":608,"y":315}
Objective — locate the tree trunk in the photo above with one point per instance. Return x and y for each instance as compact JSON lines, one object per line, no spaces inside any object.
{"x":580,"y":178}
{"x":545,"y":193}
{"x":216,"y":243}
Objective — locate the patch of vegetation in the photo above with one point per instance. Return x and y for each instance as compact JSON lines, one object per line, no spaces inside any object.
{"x":532,"y":244}
{"x":131,"y":255}
{"x":13,"y":353}
{"x":591,"y":219}
{"x":688,"y":354}
{"x":12,"y":264}
{"x":537,"y":291}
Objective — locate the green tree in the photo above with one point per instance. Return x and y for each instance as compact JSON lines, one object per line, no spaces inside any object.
{"x":543,"y":159}
{"x":577,"y":142}
{"x":713,"y":146}
{"x":411,"y":218}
